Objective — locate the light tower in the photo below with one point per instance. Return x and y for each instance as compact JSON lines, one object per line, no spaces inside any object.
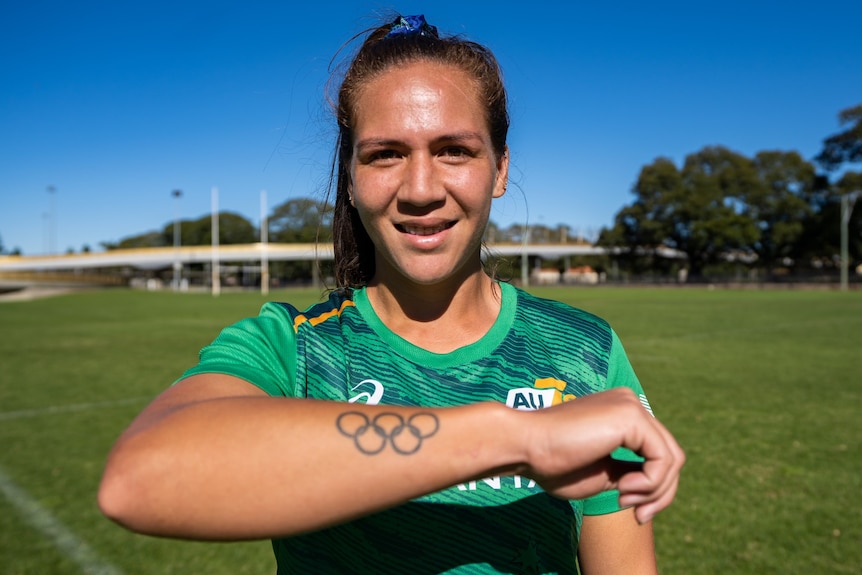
{"x":178,"y":267}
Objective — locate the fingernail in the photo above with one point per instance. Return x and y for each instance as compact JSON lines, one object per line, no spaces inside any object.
{"x":643,"y":520}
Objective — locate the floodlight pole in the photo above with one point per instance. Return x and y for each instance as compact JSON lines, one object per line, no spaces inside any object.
{"x":525,"y":258}
{"x":216,"y":270}
{"x":847,"y":202}
{"x":264,"y":241}
{"x":177,"y":194}
{"x":46,"y":232}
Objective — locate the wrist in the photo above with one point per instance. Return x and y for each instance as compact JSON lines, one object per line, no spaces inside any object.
{"x":503,"y":439}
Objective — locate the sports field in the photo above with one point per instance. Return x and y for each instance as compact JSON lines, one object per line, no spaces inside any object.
{"x":762,"y":388}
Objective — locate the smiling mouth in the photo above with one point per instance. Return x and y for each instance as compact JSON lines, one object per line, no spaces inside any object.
{"x":423,"y":230}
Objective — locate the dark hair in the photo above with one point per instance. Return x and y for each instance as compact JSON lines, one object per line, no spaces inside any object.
{"x":353,"y":249}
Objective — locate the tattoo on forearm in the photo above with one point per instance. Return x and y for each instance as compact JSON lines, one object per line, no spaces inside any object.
{"x":371,"y":435}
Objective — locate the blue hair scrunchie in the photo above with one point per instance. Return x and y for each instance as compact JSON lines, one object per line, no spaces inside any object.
{"x":410,"y":25}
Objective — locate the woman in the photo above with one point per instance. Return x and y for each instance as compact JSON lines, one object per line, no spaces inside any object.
{"x":375,"y":432}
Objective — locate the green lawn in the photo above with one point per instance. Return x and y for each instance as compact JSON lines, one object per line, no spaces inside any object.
{"x":762,"y":388}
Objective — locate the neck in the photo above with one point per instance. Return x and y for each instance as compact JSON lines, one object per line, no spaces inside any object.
{"x":439,"y":318}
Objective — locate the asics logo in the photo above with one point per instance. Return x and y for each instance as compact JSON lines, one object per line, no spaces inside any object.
{"x":371,"y":397}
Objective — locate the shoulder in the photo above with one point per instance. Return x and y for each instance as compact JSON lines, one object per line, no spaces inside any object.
{"x":330,"y":309}
{"x":548,"y":312}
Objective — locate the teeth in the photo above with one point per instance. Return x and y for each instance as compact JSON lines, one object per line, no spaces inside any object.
{"x":418,"y":231}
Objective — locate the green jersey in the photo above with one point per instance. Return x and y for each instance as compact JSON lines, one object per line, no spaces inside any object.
{"x":538,"y":353}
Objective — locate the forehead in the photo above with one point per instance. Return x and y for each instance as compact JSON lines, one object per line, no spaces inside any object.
{"x":415,"y":83}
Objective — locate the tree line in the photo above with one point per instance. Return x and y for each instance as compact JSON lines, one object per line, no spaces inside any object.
{"x":774,"y":213}
{"x":298,"y":220}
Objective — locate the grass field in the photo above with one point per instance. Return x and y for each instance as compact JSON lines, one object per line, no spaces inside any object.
{"x":762,"y":388}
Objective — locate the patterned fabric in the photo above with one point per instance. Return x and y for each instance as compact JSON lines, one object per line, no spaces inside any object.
{"x":537,"y":354}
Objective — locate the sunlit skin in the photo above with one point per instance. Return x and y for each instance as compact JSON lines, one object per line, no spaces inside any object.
{"x":424,"y":173}
{"x":198,"y":461}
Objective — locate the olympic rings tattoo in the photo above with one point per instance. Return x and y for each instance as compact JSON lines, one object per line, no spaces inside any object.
{"x":371,"y":436}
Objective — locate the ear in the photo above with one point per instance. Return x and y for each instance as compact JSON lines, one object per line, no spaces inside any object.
{"x":502,"y":174}
{"x":350,"y":193}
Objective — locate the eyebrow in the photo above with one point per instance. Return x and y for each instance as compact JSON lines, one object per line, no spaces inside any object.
{"x":454,"y":137}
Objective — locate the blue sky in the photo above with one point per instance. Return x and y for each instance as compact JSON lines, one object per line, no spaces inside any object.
{"x":116,"y":104}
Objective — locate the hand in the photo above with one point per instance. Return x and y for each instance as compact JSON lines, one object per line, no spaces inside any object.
{"x":569,"y":446}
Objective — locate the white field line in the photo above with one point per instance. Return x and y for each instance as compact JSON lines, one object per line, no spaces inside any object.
{"x":63,"y":539}
{"x":34,"y":514}
{"x":50,"y":410}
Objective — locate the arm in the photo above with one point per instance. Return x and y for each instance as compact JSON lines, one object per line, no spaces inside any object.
{"x":215,"y":458}
{"x":615,"y":544}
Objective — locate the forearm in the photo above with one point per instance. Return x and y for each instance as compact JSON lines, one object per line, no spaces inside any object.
{"x":252,"y":467}
{"x":215,"y":458}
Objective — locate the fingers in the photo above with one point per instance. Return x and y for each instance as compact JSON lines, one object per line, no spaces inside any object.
{"x":570,"y":458}
{"x":654,"y":487}
{"x":617,"y":469}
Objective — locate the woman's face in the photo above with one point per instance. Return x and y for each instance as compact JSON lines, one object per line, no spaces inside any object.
{"x":424,"y":173}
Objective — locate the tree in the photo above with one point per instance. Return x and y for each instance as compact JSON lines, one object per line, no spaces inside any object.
{"x":820,"y":243}
{"x":846,"y":146}
{"x":514,"y":233}
{"x":713,"y":222}
{"x":300,"y":220}
{"x":233,"y":229}
{"x":145,"y":240}
{"x":16,"y":251}
{"x":492,"y":233}
{"x":650,"y":220}
{"x":782,"y":205}
{"x":698,"y":210}
{"x":850,"y":187}
{"x":842,"y":148}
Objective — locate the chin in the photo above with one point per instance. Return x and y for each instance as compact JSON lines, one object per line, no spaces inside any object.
{"x":434,"y":276}
{"x":428,"y":270}
{"x":426,"y":279}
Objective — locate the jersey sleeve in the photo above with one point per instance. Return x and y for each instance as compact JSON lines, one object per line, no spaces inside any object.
{"x":260,"y":350}
{"x":620,"y":374}
{"x":620,"y":371}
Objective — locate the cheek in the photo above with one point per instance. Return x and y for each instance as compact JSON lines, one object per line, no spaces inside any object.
{"x":369,"y":201}
{"x":477,"y":186}
{"x":369,"y":192}
{"x":370,"y":222}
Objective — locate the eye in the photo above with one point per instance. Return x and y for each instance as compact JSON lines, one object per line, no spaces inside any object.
{"x":383,"y":156}
{"x":454,"y":153}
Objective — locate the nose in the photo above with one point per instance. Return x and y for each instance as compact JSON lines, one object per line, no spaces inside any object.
{"x":421,"y":185}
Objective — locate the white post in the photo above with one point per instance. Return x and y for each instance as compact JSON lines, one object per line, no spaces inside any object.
{"x":525,"y":258}
{"x":216,"y":272}
{"x":264,"y":240}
